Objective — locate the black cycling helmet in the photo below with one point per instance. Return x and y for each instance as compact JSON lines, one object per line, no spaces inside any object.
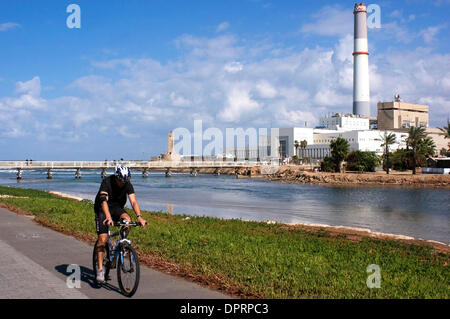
{"x":122,"y":173}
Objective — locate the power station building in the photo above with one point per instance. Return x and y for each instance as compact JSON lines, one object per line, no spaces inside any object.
{"x":355,"y":127}
{"x":399,"y":115}
{"x":362,"y":131}
{"x":318,"y":141}
{"x":344,"y":122}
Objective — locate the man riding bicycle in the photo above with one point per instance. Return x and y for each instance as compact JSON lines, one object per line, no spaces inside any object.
{"x":109,"y":208}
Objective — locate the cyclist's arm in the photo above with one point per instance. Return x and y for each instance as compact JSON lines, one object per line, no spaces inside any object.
{"x":137,"y":210}
{"x":105,"y":207}
{"x":134,"y":204}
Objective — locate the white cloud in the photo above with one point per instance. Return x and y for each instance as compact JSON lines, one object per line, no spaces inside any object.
{"x":123,"y":130}
{"x":206,"y":82}
{"x":295,"y":118}
{"x":233,"y":67}
{"x":8,"y":26}
{"x":222,"y":27}
{"x":344,"y":48}
{"x":430,"y":33}
{"x":266,"y":90}
{"x":29,"y":96}
{"x":239,"y":102}
{"x":178,"y":100}
{"x":13,"y":132}
{"x":330,"y":21}
{"x":31,"y":87}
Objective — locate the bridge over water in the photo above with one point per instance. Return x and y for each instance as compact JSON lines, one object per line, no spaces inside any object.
{"x":143,"y":166}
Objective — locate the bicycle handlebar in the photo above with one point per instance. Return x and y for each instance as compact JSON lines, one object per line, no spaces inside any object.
{"x":126,"y":223}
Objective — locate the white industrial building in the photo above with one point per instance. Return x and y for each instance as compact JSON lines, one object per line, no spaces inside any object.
{"x":356,"y":128}
{"x":345,"y":122}
{"x":318,"y":141}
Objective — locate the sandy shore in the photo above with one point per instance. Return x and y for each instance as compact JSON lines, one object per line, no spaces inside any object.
{"x":78,"y":199}
{"x":357,"y":234}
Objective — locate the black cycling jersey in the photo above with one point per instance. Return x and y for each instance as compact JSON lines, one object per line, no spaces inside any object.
{"x":116,"y":195}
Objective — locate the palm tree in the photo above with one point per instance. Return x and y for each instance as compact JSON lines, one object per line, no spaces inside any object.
{"x":415,"y":135}
{"x":296,"y":145}
{"x":446,"y":130}
{"x":388,"y":139}
{"x":339,"y":151}
{"x":426,"y":147}
{"x":279,"y":154}
{"x":303,"y":145}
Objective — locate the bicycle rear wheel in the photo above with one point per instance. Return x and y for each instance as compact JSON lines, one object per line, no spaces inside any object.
{"x":128,"y":271}
{"x":105,"y":262}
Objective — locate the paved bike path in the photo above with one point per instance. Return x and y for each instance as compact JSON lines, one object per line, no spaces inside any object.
{"x":34,"y":261}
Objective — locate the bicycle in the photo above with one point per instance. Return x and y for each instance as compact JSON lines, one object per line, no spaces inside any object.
{"x":120,"y":255}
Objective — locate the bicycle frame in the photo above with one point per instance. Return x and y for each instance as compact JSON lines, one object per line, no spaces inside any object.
{"x":115,"y":250}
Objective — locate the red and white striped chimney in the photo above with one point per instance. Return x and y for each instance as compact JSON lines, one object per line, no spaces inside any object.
{"x":361,"y":93}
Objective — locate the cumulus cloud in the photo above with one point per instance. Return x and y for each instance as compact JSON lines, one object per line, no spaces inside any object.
{"x":239,"y":102}
{"x":28,"y":96}
{"x":31,"y":87}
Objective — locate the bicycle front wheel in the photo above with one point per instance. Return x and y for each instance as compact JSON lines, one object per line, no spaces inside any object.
{"x":128,"y":271}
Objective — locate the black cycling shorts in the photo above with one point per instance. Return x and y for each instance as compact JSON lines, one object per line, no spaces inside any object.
{"x":115,"y":211}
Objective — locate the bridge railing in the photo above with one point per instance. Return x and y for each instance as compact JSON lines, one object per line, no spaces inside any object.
{"x":130,"y":164}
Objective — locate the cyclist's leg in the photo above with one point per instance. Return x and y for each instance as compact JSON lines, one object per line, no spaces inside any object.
{"x":102,"y":232}
{"x":120,"y":213}
{"x":125,"y":216}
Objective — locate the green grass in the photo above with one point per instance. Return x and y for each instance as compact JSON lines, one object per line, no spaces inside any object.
{"x":258,"y":259}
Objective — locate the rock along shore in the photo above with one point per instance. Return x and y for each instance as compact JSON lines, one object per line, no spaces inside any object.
{"x":297,"y":175}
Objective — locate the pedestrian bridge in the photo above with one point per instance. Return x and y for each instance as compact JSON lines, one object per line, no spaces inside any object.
{"x":144,"y":166}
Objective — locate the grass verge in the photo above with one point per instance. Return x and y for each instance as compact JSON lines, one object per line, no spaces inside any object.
{"x":254,"y":259}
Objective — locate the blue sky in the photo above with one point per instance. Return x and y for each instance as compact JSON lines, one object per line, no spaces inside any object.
{"x":138,"y":69}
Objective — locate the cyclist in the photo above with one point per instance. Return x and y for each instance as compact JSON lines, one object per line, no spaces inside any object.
{"x":109,"y":208}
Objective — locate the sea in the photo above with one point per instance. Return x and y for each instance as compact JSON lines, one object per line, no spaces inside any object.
{"x":415,"y":212}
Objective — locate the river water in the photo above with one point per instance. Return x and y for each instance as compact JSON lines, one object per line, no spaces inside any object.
{"x":416,"y":212}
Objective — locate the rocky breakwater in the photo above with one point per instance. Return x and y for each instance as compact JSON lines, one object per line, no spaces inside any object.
{"x":295,"y":175}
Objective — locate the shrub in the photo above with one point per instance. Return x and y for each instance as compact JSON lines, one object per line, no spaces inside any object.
{"x":401,"y":160}
{"x":328,"y":165}
{"x":339,"y":150}
{"x":362,"y":161}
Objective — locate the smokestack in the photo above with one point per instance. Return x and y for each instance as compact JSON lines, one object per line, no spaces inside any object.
{"x":361,"y":94}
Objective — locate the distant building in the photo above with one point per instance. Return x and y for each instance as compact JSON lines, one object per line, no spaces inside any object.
{"x":399,"y":115}
{"x":438,"y":139}
{"x":170,"y":155}
{"x":345,"y":122}
{"x":365,"y":140}
{"x":288,"y":136}
{"x":318,"y":141}
{"x":262,"y":152}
